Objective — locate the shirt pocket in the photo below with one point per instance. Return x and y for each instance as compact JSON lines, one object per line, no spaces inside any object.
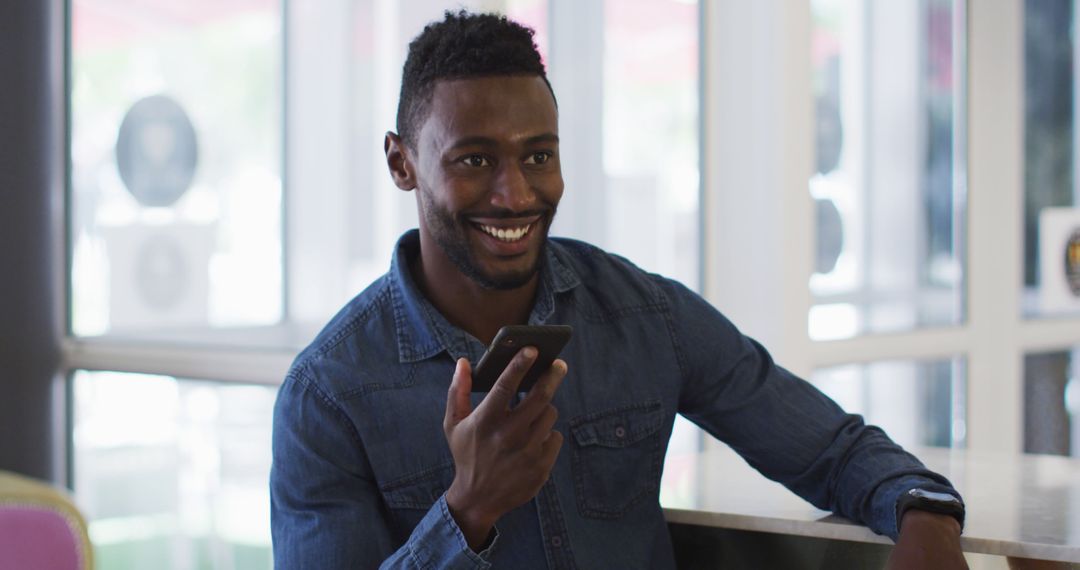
{"x":617,"y":455}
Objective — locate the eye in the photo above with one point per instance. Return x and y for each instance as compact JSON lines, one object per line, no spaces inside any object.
{"x":476,"y":161}
{"x":538,"y":158}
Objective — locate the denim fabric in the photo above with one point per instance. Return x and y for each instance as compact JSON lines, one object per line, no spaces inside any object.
{"x":361,"y":464}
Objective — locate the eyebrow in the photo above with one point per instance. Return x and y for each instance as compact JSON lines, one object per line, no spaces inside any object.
{"x":478,"y":140}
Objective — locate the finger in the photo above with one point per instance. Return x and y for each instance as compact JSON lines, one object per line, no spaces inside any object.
{"x":551,"y":447}
{"x":531,"y":436}
{"x":542,"y":393}
{"x":458,"y":406}
{"x":541,"y":428}
{"x":506,"y":386}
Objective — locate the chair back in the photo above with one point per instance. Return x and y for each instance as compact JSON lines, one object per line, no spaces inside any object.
{"x":40,"y":528}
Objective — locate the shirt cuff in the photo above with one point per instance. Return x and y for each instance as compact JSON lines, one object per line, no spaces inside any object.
{"x":888,"y":499}
{"x":484,"y":555}
{"x":437,"y":542}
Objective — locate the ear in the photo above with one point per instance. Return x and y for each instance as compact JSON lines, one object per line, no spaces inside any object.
{"x":397,"y":160}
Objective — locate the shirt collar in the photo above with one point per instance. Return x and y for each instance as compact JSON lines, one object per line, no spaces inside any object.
{"x":423,"y":332}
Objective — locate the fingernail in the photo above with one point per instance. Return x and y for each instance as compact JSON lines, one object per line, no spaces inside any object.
{"x":530,"y":352}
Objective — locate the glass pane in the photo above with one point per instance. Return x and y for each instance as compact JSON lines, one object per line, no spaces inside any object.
{"x":1051,"y":215}
{"x":650,"y":143}
{"x":1052,"y":402}
{"x":175,"y":175}
{"x":889,"y":183}
{"x":918,"y":403}
{"x":173,"y":473}
{"x":625,"y":74}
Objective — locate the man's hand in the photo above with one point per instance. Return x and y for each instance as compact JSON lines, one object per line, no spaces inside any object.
{"x":928,"y":541}
{"x":502,"y":456}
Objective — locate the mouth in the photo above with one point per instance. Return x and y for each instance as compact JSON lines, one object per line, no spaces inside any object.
{"x":506,"y":234}
{"x":507,"y":231}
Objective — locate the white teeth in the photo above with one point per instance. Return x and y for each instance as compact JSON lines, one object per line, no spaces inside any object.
{"x":506,"y":234}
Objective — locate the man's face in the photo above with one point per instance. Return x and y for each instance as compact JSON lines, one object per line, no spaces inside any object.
{"x":488,"y":179}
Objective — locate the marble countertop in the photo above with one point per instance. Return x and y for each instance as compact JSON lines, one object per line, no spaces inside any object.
{"x":1017,"y":505}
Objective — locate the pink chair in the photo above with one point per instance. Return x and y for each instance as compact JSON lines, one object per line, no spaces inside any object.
{"x":40,"y":528}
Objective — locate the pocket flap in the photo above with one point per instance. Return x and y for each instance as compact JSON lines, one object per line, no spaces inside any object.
{"x":619,"y":427}
{"x":418,"y":490}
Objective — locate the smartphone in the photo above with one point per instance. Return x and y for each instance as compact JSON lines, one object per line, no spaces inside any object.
{"x":548,"y":340}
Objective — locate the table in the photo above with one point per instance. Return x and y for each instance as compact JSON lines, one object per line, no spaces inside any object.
{"x":1025,"y":506}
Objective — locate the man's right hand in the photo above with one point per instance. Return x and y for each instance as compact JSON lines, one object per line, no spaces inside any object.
{"x":502,"y":456}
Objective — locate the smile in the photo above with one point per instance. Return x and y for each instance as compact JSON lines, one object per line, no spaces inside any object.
{"x":508,"y":235}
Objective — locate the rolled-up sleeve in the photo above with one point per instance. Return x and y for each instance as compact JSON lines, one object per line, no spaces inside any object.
{"x":326,"y":511}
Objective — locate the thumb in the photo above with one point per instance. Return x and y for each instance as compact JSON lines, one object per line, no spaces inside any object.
{"x":458,"y":406}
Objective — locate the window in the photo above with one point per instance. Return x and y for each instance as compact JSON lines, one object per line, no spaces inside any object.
{"x":171,"y":473}
{"x":628,"y":120}
{"x":918,"y":403}
{"x":1051,"y":217}
{"x":175,"y":168}
{"x":196,"y":220}
{"x":228,"y":194}
{"x":888,"y":182}
{"x":1052,"y":402}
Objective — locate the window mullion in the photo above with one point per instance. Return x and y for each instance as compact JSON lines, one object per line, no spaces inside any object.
{"x":220,"y":364}
{"x":995,"y":155}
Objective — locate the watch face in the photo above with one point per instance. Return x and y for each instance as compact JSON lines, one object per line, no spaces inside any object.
{"x":933,"y":496}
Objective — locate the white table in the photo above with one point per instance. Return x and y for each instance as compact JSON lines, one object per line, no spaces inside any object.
{"x":1025,"y":506}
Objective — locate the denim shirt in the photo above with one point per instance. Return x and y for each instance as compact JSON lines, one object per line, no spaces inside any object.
{"x":361,"y":464}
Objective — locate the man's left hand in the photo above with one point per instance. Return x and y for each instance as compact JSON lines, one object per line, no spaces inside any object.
{"x":927,"y":541}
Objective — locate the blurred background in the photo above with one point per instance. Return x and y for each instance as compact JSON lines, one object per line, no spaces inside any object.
{"x":816,"y":169}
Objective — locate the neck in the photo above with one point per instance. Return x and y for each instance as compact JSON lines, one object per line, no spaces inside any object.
{"x":477,"y":310}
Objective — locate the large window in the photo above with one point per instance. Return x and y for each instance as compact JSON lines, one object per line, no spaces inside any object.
{"x":196,"y":220}
{"x":936,"y":140}
{"x":881,"y":192}
{"x":228,"y":194}
{"x":175,"y":167}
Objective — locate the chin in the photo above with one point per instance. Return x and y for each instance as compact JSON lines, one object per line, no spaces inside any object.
{"x":506,"y":279}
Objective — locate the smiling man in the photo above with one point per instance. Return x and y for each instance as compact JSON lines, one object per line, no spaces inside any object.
{"x":383,"y":456}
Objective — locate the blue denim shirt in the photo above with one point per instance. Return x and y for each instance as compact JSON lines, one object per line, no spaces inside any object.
{"x":361,"y":464}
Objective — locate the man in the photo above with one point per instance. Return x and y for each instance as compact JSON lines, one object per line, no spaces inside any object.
{"x":383,"y":456}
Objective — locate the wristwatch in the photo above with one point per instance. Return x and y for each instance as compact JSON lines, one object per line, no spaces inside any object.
{"x":931,"y":501}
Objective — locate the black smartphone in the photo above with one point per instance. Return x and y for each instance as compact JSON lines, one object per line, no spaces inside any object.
{"x":548,"y":340}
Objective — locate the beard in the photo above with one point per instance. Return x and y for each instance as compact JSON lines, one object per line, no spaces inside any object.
{"x":451,"y":234}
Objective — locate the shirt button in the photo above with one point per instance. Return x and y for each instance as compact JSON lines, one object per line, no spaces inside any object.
{"x":556,"y":541}
{"x":620,"y":432}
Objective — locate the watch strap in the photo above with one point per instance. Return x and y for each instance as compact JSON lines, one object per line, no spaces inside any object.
{"x":930,"y":500}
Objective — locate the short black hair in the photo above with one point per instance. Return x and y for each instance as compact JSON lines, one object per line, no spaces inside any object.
{"x":463,"y":45}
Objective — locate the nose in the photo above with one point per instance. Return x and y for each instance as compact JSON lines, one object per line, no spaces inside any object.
{"x":512,"y":190}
